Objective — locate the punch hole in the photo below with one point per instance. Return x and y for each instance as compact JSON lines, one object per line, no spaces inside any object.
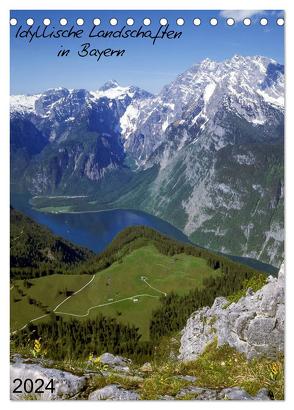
{"x":247,"y":21}
{"x":230,"y":21}
{"x":80,"y":21}
{"x":180,"y":21}
{"x":196,"y":22}
{"x":46,"y":22}
{"x":130,"y":21}
{"x":263,"y":21}
{"x":113,"y":22}
{"x":13,"y":22}
{"x":163,"y":21}
{"x":213,"y":21}
{"x":30,"y":21}
{"x":146,"y":22}
{"x":96,"y":22}
{"x":280,"y":21}
{"x":63,"y":22}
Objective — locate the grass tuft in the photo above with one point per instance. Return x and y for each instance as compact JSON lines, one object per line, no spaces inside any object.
{"x":255,"y":283}
{"x":222,"y":367}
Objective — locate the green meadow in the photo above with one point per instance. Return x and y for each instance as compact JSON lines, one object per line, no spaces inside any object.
{"x":128,"y":290}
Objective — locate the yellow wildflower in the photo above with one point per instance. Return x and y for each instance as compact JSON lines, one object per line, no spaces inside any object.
{"x":37,"y":346}
{"x":275,"y":368}
{"x":96,"y":361}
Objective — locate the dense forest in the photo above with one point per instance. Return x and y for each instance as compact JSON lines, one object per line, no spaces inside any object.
{"x":35,"y":251}
{"x":70,"y":339}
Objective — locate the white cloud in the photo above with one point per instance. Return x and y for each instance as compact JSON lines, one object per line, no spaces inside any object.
{"x":240,"y":15}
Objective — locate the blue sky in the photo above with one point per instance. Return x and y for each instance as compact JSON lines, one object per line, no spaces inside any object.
{"x":35,"y":67}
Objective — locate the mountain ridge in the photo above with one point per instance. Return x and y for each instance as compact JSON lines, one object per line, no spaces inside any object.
{"x":212,"y":139}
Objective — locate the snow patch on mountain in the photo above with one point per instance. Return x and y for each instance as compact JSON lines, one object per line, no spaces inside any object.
{"x":277,"y":101}
{"x":208,"y":92}
{"x":23,"y":104}
{"x":128,"y":120}
{"x":118,"y":92}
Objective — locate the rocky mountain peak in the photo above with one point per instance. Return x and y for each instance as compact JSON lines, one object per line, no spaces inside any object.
{"x":248,"y":87}
{"x":109,"y":84}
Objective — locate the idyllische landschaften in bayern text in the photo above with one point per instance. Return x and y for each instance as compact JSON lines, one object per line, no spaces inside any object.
{"x":87,"y":49}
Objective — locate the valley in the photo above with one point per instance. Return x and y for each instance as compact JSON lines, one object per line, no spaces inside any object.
{"x":96,"y":229}
{"x":205,"y":154}
{"x":90,"y":228}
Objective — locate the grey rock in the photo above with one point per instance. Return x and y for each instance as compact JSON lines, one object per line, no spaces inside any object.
{"x":166,"y":397}
{"x":191,"y":390}
{"x":230,"y":393}
{"x":249,"y":292}
{"x":263,"y":394}
{"x":254,"y":325}
{"x":258,"y":330}
{"x":113,"y":392}
{"x":66,"y":385}
{"x":234,"y":393}
{"x":121,"y":369}
{"x":112,"y":360}
{"x":16,"y":358}
{"x":199,"y":393}
{"x":118,"y":363}
{"x":207,"y":394}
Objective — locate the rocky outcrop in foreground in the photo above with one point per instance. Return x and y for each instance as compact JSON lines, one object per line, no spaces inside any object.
{"x":254,"y":325}
{"x":68,"y":386}
{"x":113,"y":392}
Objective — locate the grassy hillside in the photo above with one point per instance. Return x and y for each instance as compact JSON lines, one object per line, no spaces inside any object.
{"x":130,"y":289}
{"x":137,"y":236}
{"x":35,"y":251}
{"x":143,"y":287}
{"x":32,"y":298}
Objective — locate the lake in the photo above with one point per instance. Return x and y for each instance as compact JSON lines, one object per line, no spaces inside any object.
{"x":95,"y":230}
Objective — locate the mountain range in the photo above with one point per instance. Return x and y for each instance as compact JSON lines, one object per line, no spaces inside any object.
{"x":205,"y":154}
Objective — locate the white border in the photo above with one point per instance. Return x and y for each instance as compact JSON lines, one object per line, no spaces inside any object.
{"x":5,"y":5}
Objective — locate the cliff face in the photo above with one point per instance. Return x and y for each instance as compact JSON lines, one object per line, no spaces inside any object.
{"x":254,"y":325}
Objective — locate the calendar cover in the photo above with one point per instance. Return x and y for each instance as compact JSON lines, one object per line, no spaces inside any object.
{"x":147,"y":205}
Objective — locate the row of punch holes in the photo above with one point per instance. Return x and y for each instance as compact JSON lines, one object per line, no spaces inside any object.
{"x":147,"y":21}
